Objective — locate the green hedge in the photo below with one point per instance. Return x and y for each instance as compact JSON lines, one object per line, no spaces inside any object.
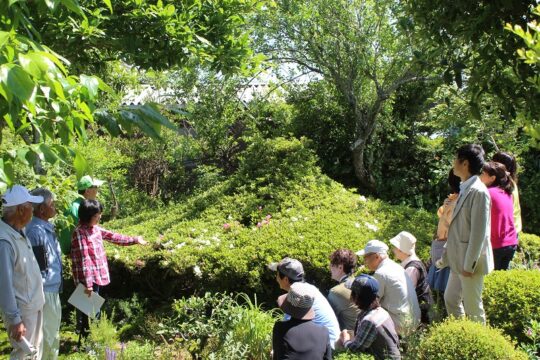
{"x":529,"y":249}
{"x":224,"y":231}
{"x":512,"y":299}
{"x":464,"y":339}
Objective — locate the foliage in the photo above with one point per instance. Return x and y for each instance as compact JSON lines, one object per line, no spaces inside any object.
{"x":363,"y":48}
{"x":103,"y":337}
{"x":529,"y":245}
{"x":512,"y":299}
{"x":531,"y":56}
{"x":158,"y":35}
{"x":347,"y":355}
{"x":277,"y":204}
{"x":217,"y":326}
{"x":464,"y":339}
{"x":532,"y":346}
{"x":529,"y":183}
{"x":469,"y":47}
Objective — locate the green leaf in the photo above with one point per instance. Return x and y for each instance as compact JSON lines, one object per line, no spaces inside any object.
{"x":48,"y":154}
{"x":109,"y":5}
{"x":4,"y":38}
{"x":106,"y":119}
{"x":74,"y":6}
{"x":135,"y":118}
{"x":91,"y":83}
{"x":150,"y":112}
{"x":80,"y":165}
{"x":17,"y":81}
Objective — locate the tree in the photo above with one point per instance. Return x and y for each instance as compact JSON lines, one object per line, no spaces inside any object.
{"x":48,"y":107}
{"x":363,"y":47}
{"x":469,"y":45}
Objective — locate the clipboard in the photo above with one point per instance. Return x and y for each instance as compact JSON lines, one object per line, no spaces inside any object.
{"x":88,"y":305}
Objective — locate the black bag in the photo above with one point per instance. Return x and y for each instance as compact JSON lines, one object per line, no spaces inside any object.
{"x":41,"y":256}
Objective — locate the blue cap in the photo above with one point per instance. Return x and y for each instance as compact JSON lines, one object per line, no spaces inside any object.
{"x":365,"y":286}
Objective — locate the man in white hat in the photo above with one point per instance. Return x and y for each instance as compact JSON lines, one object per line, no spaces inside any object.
{"x":403,"y":247}
{"x":21,"y":297}
{"x":396,"y":291}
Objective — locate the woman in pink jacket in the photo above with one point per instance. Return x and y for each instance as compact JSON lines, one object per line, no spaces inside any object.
{"x":503,"y":232}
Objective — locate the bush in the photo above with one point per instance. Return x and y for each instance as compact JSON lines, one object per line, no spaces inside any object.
{"x":529,"y":246}
{"x":217,"y":326}
{"x":222,"y":238}
{"x":347,"y":355}
{"x":512,"y":299}
{"x":464,"y":339}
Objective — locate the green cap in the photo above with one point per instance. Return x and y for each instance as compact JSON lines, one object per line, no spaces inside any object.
{"x":87,"y":182}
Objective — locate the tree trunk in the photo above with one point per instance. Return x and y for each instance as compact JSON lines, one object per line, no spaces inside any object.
{"x":360,"y":169}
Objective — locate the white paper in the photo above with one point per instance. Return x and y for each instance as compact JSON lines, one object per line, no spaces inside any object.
{"x":89,"y":305}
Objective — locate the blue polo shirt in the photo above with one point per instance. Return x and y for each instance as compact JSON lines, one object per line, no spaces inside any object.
{"x":41,"y":232}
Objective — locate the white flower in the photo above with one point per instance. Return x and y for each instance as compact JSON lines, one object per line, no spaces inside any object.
{"x":168,"y":244}
{"x":362,"y":198}
{"x":229,"y":217}
{"x":231,"y":246}
{"x":116,"y":255}
{"x":215,"y":238}
{"x":301,"y":237}
{"x":376,"y":221}
{"x":204,"y":230}
{"x":357,"y":225}
{"x":371,"y":226}
{"x":294,"y":219}
{"x":197,"y":271}
{"x":181,"y":245}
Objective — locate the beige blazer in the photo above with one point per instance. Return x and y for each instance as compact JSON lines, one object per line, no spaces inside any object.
{"x":469,"y":246}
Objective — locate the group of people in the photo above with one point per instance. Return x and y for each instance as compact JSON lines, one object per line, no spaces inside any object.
{"x":477,"y":232}
{"x":31,"y":264}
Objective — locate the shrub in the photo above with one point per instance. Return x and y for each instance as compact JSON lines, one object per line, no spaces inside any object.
{"x":512,"y":299}
{"x":464,"y":339}
{"x":276,"y":205}
{"x":347,"y":355}
{"x":529,"y":246}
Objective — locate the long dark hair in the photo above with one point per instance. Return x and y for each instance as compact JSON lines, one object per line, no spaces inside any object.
{"x":502,"y":177}
{"x":509,"y":161}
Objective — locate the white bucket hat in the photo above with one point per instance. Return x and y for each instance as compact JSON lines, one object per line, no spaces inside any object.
{"x":404,"y":241}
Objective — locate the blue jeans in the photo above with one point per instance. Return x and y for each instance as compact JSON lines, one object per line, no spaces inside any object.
{"x":503,"y":256}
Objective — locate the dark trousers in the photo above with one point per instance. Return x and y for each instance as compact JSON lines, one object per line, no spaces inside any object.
{"x":83,"y":325}
{"x":503,"y":256}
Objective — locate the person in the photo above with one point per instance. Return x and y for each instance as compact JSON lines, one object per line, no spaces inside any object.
{"x":504,"y":239}
{"x":21,"y":298}
{"x":46,"y":248}
{"x":375,"y":332}
{"x":88,"y":188}
{"x":88,"y":258}
{"x":404,"y":245}
{"x":300,"y":338}
{"x":438,"y":278}
{"x":290,"y":271}
{"x":468,"y":248}
{"x":509,"y":161}
{"x":342,"y":265}
{"x":396,"y":291}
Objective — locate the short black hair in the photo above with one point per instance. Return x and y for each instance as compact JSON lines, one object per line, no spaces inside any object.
{"x":454,"y":182}
{"x":88,"y":209}
{"x":363,"y":302}
{"x":474,"y":154}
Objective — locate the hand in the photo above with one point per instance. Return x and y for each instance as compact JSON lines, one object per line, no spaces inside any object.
{"x":344,"y":337}
{"x":466,"y":273}
{"x":439,"y":264}
{"x":17,"y":331}
{"x":88,"y":291}
{"x":141,"y":241}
